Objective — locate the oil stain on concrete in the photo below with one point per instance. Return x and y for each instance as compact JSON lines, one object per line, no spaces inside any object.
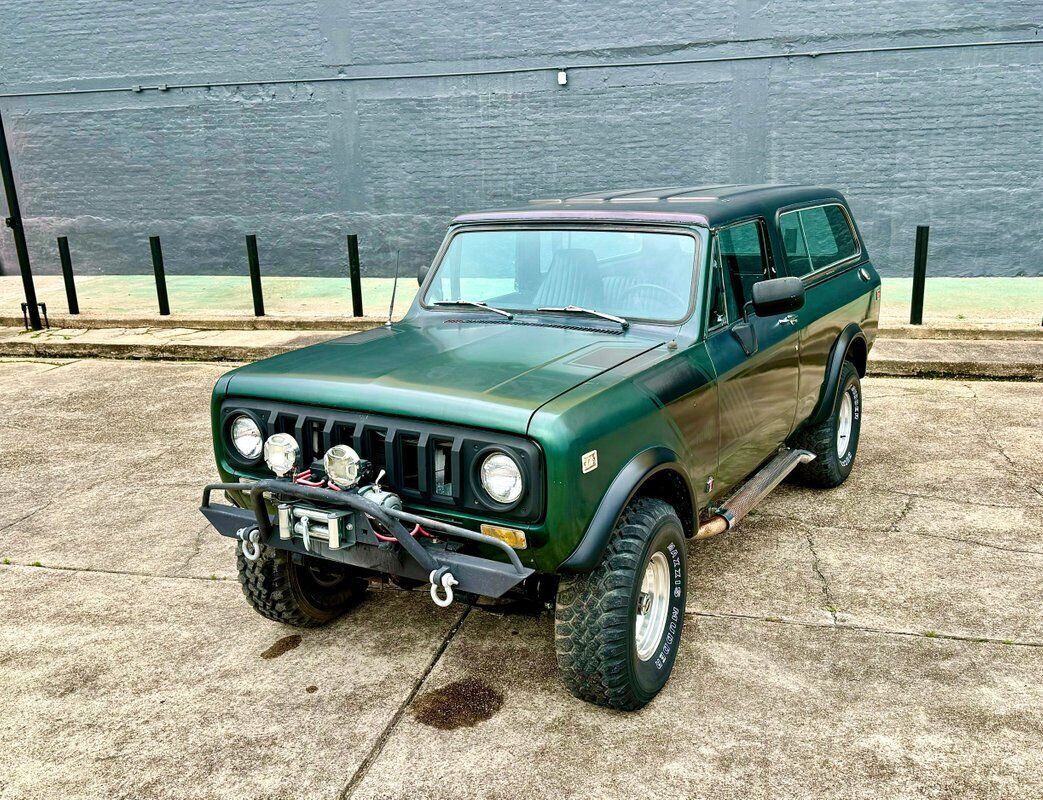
{"x":459,"y":704}
{"x":283,"y":645}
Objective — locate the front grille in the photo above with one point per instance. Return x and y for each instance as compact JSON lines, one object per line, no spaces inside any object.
{"x":426,"y":462}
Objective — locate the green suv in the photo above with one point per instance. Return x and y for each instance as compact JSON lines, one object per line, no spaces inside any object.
{"x":580,"y":386}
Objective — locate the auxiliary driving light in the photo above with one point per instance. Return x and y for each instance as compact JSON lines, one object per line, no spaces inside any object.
{"x":281,"y":453}
{"x":341,"y":463}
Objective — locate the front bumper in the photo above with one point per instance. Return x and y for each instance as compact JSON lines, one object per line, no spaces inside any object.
{"x":406,"y":557}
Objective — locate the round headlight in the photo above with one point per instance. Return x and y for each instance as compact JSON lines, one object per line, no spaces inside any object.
{"x":341,"y":463}
{"x":501,"y":478}
{"x":246,"y":436}
{"x":281,"y":453}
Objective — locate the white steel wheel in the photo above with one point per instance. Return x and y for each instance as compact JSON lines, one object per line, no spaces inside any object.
{"x":845,"y":422}
{"x":653,"y":603}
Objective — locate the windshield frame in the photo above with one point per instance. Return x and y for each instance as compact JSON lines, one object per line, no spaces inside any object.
{"x":568,"y":225}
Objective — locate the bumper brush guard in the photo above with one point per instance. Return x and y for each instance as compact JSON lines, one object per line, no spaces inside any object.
{"x":437,"y":564}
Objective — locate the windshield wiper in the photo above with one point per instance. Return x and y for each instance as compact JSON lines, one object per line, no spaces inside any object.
{"x":475,"y":304}
{"x":588,"y":311}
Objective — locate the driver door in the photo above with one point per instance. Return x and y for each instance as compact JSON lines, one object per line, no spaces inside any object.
{"x":756,"y":358}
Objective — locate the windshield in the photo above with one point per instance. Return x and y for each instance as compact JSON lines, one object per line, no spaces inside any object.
{"x":631,"y":274}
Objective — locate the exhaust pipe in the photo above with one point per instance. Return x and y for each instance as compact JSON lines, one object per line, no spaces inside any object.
{"x":731,"y":512}
{"x":718,"y":523}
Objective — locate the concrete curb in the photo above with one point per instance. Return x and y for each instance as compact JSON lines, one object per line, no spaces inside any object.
{"x":968,"y":370}
{"x":950,"y":332}
{"x":144,"y":352}
{"x":173,"y":351}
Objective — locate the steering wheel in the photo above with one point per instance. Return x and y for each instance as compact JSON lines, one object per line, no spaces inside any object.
{"x":671,"y":298}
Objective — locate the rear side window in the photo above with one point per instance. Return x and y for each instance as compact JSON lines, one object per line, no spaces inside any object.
{"x":816,"y":238}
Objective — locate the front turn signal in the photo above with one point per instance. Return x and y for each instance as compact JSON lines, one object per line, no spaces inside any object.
{"x":512,"y":536}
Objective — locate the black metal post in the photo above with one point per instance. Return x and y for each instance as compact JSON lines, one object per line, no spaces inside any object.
{"x":255,"y":275}
{"x":355,"y":271}
{"x":161,"y":276}
{"x":70,"y":284}
{"x":14,"y":222}
{"x":919,"y":274}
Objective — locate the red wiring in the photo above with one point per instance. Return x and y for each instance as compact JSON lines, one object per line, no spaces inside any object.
{"x":303,"y":479}
{"x":417,"y":529}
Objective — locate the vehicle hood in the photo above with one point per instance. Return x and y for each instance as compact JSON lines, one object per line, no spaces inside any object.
{"x":483,"y":373}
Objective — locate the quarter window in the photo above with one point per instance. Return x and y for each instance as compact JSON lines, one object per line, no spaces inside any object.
{"x":816,"y":238}
{"x":718,"y":303}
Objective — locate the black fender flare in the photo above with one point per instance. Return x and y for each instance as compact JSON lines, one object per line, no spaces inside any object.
{"x":624,"y":486}
{"x":831,"y":380}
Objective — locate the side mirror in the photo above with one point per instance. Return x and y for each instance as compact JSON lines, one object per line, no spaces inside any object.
{"x":777,"y":296}
{"x":422,"y":274}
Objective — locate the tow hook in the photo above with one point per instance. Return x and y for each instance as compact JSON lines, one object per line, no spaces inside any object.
{"x":251,"y":538}
{"x":444,"y":578}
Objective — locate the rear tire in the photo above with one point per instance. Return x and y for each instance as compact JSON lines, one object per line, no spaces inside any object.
{"x":304,"y":595}
{"x":617,"y":628}
{"x":835,"y":441}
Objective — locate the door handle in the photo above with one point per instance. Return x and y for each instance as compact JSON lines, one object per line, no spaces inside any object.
{"x":789,"y":319}
{"x":863,"y":274}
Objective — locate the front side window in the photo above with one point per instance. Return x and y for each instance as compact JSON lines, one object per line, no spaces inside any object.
{"x":637,"y":275}
{"x":816,"y":238}
{"x":741,"y":252}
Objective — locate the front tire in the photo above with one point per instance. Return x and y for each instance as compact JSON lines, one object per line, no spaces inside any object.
{"x":835,"y":441}
{"x":304,"y":595}
{"x":617,"y":628}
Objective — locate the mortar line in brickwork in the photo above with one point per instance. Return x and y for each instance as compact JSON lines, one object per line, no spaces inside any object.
{"x":561,"y":66}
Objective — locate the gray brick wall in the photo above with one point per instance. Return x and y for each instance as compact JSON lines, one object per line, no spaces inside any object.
{"x":951,"y":138}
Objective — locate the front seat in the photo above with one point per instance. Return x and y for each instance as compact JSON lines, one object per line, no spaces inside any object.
{"x":572,"y":279}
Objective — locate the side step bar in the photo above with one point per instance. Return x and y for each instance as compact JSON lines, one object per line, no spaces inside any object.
{"x":758,"y":487}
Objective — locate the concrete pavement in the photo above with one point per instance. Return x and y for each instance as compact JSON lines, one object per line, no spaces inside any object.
{"x":879,"y":640}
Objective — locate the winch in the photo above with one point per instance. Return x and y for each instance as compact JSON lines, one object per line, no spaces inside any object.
{"x":336,"y":528}
{"x":382,"y":497}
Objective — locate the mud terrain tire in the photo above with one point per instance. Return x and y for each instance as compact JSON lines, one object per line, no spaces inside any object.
{"x":598,"y":628}
{"x":304,"y":595}
{"x":834,"y":451}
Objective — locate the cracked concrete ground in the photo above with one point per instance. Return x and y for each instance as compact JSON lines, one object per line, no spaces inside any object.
{"x":884,"y":639}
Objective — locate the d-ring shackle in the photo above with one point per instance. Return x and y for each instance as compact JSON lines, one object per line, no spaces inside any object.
{"x":251,"y":538}
{"x":447,"y":582}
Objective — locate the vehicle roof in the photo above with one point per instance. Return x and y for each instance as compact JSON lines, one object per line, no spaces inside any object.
{"x":710,"y":206}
